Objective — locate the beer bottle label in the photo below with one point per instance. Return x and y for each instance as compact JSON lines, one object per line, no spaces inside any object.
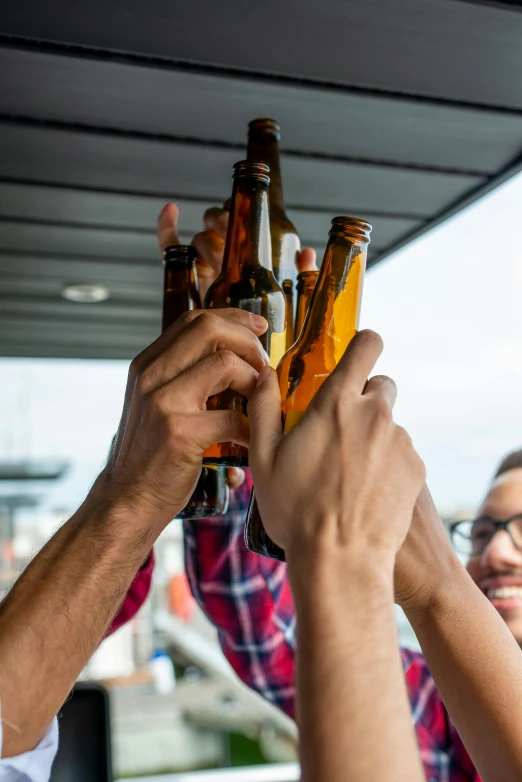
{"x":292,"y":418}
{"x":277,"y":347}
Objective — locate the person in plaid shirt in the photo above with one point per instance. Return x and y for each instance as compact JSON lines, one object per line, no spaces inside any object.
{"x":248,"y":598}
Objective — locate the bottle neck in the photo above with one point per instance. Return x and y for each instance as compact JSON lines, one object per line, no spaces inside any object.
{"x":264,"y":148}
{"x":248,"y":236}
{"x":333,"y":314}
{"x":306,"y":282}
{"x":180,"y":291}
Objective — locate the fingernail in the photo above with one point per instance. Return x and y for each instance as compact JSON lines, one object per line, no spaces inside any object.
{"x":258,"y":321}
{"x":264,"y":374}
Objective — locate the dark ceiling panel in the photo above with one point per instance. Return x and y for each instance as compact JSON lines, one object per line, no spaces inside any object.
{"x":131,"y":314}
{"x":25,"y":285}
{"x":80,"y":207}
{"x":105,"y":161}
{"x":454,"y":50}
{"x":64,"y":271}
{"x":114,"y":210}
{"x":163,"y":101}
{"x":64,"y":240}
{"x":37,"y":331}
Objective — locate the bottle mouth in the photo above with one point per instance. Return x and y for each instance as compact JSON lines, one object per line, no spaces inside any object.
{"x":252,"y":170}
{"x":265,"y":125}
{"x":179,"y":252}
{"x":351,"y":228}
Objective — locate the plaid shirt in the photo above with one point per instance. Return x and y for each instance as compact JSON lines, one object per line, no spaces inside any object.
{"x":247,"y":597}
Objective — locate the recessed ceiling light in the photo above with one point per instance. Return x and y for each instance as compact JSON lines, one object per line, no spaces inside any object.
{"x":85,"y":294}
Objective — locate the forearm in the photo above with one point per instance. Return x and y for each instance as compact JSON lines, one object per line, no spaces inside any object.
{"x":353,"y":711}
{"x":477,"y":667}
{"x":58,"y":611}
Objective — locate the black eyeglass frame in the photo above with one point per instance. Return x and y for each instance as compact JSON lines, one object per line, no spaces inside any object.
{"x":496,"y":526}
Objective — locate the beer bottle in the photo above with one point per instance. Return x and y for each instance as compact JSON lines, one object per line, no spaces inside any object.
{"x":246,"y":281}
{"x":330,"y":324}
{"x":288,"y":290}
{"x":181,"y":294}
{"x":263,"y":146}
{"x":305,"y":287}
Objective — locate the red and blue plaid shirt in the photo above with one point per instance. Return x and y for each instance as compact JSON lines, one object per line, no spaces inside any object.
{"x":248,"y":598}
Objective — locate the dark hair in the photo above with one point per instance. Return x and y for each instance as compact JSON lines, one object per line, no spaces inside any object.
{"x":510,"y":462}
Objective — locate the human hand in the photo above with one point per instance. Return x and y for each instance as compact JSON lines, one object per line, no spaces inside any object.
{"x":426,"y":561}
{"x":346,"y":476}
{"x":165,"y":427}
{"x":210,"y":243}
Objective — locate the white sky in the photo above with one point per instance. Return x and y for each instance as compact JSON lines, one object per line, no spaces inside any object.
{"x":449,"y":310}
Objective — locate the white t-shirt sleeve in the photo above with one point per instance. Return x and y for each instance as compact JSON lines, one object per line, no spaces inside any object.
{"x":33,"y":766}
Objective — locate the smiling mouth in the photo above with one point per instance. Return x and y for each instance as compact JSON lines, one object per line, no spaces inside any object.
{"x":505,"y":593}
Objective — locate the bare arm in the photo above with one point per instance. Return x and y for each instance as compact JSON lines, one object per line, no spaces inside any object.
{"x":352,"y":706}
{"x":340,"y":543}
{"x":473,"y":657}
{"x":58,"y":611}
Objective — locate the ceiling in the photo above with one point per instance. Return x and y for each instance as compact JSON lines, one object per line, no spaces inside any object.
{"x":402,"y":113}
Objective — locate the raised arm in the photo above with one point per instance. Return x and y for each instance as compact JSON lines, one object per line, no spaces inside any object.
{"x":473,"y":657}
{"x":340,"y":541}
{"x":61,"y":606}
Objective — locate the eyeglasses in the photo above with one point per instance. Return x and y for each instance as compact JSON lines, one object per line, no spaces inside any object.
{"x":472,"y":537}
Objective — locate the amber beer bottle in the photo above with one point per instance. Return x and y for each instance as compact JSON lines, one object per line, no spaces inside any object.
{"x":263,"y":146}
{"x":288,"y":290}
{"x":181,"y":294}
{"x":305,"y":287}
{"x":246,"y":281}
{"x":330,"y":324}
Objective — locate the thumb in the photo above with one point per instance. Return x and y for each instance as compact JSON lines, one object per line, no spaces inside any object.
{"x":264,"y":416}
{"x":306,"y":261}
{"x":167,"y":226}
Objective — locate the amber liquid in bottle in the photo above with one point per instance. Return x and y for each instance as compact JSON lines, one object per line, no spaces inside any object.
{"x":181,"y":294}
{"x":263,"y":146}
{"x":330,"y":324}
{"x":247,"y":282}
{"x":305,"y":287}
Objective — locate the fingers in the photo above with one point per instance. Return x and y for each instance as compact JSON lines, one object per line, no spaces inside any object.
{"x":382,"y":386}
{"x":210,"y":246}
{"x":173,"y":338}
{"x":167,"y":230}
{"x":264,"y":415}
{"x":203,"y":337}
{"x":306,"y":260}
{"x":235,"y":477}
{"x":216,"y":220}
{"x":351,"y":374}
{"x":191,"y":389}
{"x":358,"y":361}
{"x":219,"y":426}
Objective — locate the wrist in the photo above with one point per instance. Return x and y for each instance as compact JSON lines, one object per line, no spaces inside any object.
{"x":119,"y":517}
{"x":339,"y":576}
{"x":438,"y":594}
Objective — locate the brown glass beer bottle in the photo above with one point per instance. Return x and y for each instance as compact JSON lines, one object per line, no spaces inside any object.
{"x":288,"y":290}
{"x":305,"y":287}
{"x":330,"y":324}
{"x":263,"y":146}
{"x":246,"y":281}
{"x":180,"y":294}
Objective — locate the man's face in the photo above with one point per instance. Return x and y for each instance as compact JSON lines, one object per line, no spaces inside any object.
{"x":500,"y":565}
